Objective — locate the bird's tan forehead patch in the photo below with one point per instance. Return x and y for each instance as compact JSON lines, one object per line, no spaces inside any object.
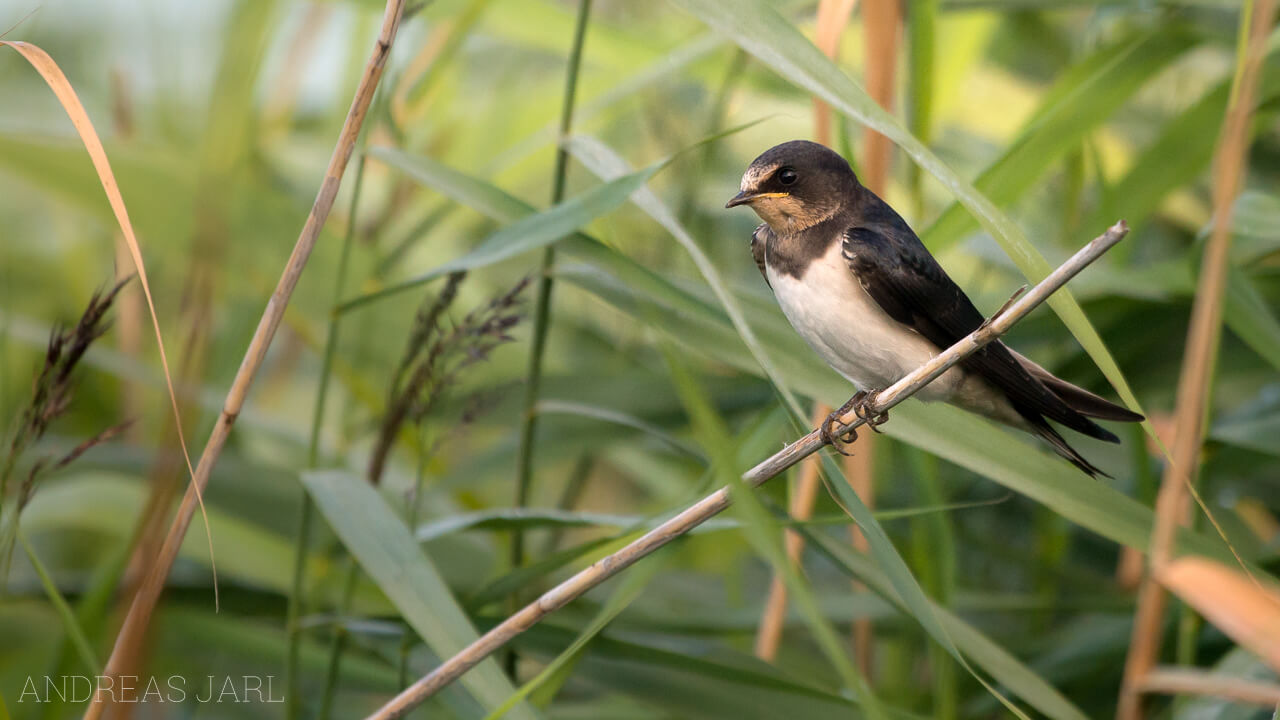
{"x":755,"y":175}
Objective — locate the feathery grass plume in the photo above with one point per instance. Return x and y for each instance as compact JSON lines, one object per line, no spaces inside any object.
{"x":434,"y":358}
{"x":51,"y":395}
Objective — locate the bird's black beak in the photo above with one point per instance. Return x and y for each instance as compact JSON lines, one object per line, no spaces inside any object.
{"x":742,"y":198}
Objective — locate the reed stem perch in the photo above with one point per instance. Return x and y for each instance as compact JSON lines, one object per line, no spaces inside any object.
{"x":713,"y":504}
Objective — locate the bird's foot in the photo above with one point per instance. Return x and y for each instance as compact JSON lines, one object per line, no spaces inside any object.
{"x":839,"y":440}
{"x":864,"y":408}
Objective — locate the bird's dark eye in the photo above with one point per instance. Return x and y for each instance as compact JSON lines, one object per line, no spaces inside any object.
{"x":787,"y":176}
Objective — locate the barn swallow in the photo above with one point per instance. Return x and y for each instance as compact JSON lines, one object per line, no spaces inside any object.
{"x":859,"y":286}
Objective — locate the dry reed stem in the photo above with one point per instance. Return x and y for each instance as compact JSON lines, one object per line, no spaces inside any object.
{"x":713,"y":504}
{"x":803,"y":496}
{"x":1179,"y":681}
{"x":832,"y":17}
{"x":1195,"y":379}
{"x":136,"y":622}
{"x":881,"y":26}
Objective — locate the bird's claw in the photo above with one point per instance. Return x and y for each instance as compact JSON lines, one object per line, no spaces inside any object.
{"x":848,"y":437}
{"x":864,"y":408}
{"x":838,"y":441}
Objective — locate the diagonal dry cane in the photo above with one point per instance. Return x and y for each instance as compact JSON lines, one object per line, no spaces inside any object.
{"x":144,"y":602}
{"x":1196,"y":377}
{"x":708,"y":507}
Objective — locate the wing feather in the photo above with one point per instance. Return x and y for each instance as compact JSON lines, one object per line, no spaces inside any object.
{"x":759,"y":239}
{"x":897,"y":271}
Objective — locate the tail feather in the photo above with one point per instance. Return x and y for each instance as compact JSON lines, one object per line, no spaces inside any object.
{"x":1060,"y":446}
{"x":1077,"y":398}
{"x":1079,"y":401}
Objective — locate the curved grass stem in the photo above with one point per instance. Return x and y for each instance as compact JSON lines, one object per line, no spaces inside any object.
{"x":305,"y":507}
{"x":542,"y":308}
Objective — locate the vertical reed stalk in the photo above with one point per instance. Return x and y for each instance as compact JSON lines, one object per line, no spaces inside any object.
{"x":803,"y":497}
{"x":305,"y":508}
{"x":542,"y":306}
{"x":1195,"y":380}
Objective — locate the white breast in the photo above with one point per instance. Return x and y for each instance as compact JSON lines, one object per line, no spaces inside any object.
{"x":845,"y":326}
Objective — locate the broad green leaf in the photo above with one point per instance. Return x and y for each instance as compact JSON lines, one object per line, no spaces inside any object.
{"x":378,"y":539}
{"x":524,"y":575}
{"x":759,"y":529}
{"x":1179,"y":154}
{"x":1003,"y":667}
{"x":603,"y":414}
{"x":695,"y":685}
{"x":526,"y":234}
{"x":1250,"y":318}
{"x":548,"y":681}
{"x":1087,"y":94}
{"x":761,"y":31}
{"x":526,"y":517}
{"x":607,"y":164}
{"x":69,"y":623}
{"x":904,"y":582}
{"x":107,"y":504}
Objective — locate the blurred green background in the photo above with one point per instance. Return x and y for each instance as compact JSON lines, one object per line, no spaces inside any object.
{"x":219,"y":118}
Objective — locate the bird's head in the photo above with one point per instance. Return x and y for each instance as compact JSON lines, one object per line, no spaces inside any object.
{"x":795,"y":185}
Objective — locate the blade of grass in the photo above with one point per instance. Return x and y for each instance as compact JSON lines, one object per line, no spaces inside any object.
{"x":921,"y":31}
{"x":687,"y":685}
{"x":529,"y":233}
{"x":608,"y":165}
{"x":542,"y":306}
{"x":1002,"y":665}
{"x":547,"y":682}
{"x":61,"y":87}
{"x":294,"y":611}
{"x":382,"y":544}
{"x":69,"y":623}
{"x":527,"y":230}
{"x":620,"y":418}
{"x":933,"y":546}
{"x":762,"y":533}
{"x":1088,"y":93}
